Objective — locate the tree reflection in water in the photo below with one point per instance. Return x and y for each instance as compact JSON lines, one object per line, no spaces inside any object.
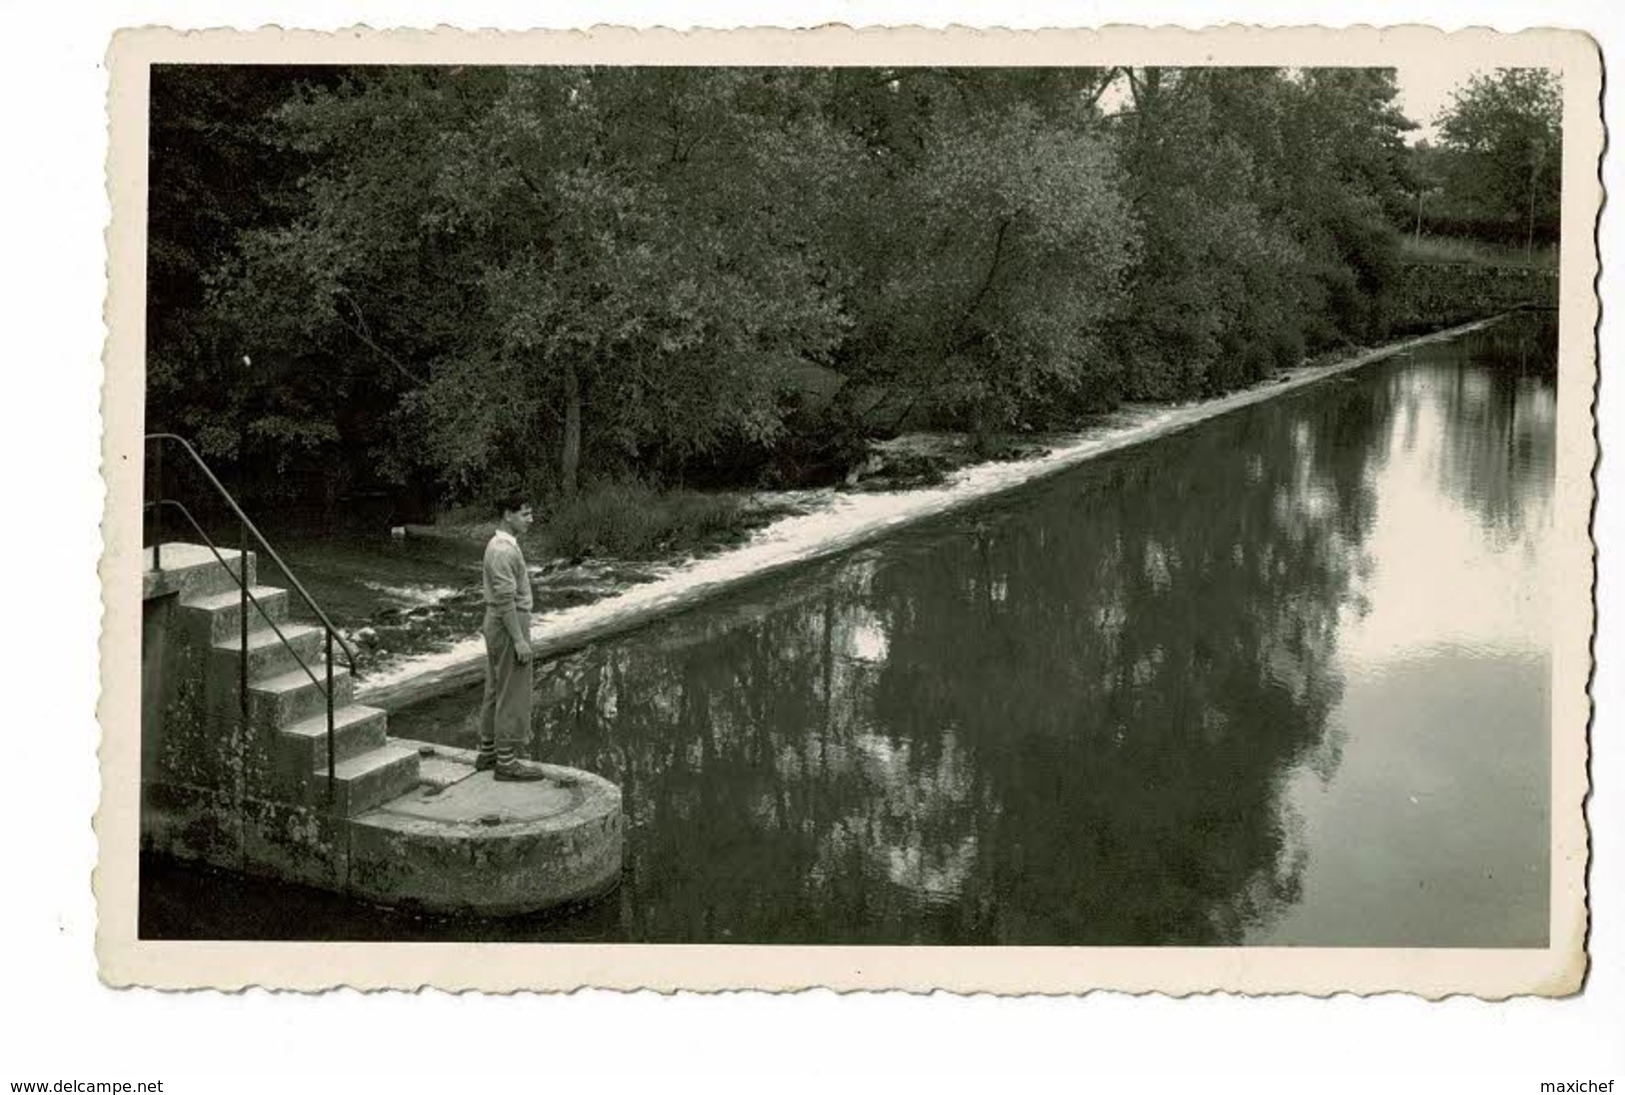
{"x":1500,"y":449}
{"x":1061,"y":720}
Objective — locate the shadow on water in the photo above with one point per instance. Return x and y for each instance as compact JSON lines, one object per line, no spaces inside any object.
{"x":183,"y":901}
{"x":1063,"y":718}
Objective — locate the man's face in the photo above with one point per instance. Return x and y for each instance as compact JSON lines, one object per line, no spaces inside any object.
{"x":519,"y":520}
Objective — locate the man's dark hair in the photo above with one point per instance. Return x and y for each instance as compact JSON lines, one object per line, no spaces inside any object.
{"x":505,"y":504}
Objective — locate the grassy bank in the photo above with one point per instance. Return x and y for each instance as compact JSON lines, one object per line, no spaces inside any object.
{"x":623,"y":520}
{"x":630,"y":520}
{"x":1447,"y":249}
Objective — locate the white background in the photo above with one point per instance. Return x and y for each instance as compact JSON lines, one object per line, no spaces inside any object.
{"x":60,"y":1023}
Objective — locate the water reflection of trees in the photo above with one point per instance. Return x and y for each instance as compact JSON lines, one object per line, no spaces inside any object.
{"x":1498,"y":453}
{"x":1151,"y":680}
{"x":1065,"y":721}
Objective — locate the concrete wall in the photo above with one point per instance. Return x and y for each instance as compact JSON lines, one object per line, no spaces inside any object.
{"x":156,"y":677}
{"x":213,"y":788}
{"x":1434,"y":295}
{"x":191,"y":755}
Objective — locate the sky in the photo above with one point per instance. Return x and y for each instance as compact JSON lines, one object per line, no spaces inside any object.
{"x":1425,"y":90}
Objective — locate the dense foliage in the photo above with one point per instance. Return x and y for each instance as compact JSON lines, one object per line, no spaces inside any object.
{"x":1496,"y":173}
{"x":454,"y":279}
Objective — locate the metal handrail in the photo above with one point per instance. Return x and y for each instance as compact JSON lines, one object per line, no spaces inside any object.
{"x":349,"y":654}
{"x":241,"y":577}
{"x":241,"y":582}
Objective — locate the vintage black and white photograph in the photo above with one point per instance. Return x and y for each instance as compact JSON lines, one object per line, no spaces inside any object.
{"x":1113,"y":503}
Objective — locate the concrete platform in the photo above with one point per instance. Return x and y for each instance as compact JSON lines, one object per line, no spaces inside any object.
{"x":493,"y":804}
{"x":404,"y":823}
{"x":462,"y":842}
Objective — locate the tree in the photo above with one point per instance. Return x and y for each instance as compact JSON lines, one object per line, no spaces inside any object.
{"x":1508,"y":128}
{"x":547,"y":258}
{"x":214,"y":173}
{"x":665,"y":287}
{"x":343,"y":302}
{"x":1264,"y":197}
{"x":981,"y":239}
{"x":1002,"y":255}
{"x":1218,"y":294}
{"x":475,"y":275}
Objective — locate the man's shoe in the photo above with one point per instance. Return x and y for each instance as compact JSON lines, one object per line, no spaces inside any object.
{"x":519,"y":772}
{"x":484,"y":762}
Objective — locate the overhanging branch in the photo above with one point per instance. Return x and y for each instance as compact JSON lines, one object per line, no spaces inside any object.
{"x":359,"y":329}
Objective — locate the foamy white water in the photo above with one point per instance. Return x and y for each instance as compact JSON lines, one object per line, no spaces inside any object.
{"x":413,"y":596}
{"x":837,"y":522}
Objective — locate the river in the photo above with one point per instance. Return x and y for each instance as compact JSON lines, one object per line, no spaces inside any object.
{"x":1281,"y":678}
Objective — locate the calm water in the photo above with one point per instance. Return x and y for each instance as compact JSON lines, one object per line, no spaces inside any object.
{"x":1280,"y":679}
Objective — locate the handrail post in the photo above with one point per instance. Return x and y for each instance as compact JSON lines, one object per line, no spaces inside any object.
{"x":157,"y":511}
{"x":242,"y":628}
{"x":330,"y":774}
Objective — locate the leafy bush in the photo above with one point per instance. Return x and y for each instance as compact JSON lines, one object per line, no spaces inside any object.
{"x":630,"y":520}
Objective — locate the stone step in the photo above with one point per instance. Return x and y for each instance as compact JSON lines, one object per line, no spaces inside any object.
{"x":356,"y":730}
{"x":289,"y":698}
{"x":365,"y":781}
{"x":271,"y":654}
{"x":224,"y":610}
{"x":192,"y":571}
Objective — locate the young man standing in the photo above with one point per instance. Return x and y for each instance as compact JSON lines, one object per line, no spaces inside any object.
{"x":505,"y":711}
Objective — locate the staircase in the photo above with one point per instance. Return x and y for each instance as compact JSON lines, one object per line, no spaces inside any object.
{"x":256,"y":757}
{"x":236,"y":726}
{"x":287,"y":704}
